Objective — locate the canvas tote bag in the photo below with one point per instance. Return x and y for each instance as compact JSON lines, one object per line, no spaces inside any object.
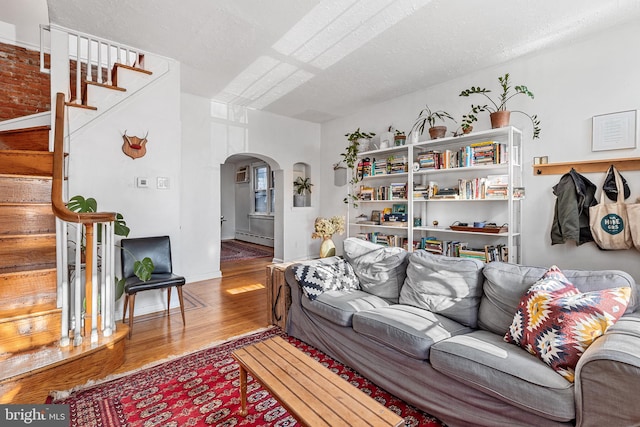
{"x":609,"y":222}
{"x":633,"y":214}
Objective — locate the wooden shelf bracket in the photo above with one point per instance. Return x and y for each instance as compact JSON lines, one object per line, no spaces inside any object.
{"x":587,"y":166}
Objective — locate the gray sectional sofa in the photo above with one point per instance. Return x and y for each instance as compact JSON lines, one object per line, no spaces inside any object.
{"x":429,"y":329}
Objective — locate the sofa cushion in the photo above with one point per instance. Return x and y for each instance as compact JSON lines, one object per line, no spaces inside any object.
{"x":446,"y":285}
{"x":339,"y":306}
{"x":318,"y":276}
{"x":483,"y":361}
{"x":557,"y":323}
{"x":381,"y":270}
{"x":409,"y":330}
{"x":505,"y":284}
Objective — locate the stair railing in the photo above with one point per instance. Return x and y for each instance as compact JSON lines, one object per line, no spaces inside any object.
{"x":91,"y":58}
{"x":89,"y":307}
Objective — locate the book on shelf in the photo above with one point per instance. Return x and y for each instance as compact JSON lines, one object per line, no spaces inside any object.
{"x":479,"y":254}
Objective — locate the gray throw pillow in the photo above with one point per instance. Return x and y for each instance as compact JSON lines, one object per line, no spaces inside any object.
{"x":446,"y":285}
{"x":381,"y":270}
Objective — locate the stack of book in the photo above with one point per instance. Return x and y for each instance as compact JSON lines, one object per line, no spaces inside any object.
{"x":379,"y":167}
{"x":398,"y":191}
{"x":397,"y":164}
{"x":440,"y":247}
{"x":364,"y":168}
{"x":429,"y":160}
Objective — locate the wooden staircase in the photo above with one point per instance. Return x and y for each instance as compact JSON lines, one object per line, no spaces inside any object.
{"x":29,"y":316}
{"x":30,"y":320}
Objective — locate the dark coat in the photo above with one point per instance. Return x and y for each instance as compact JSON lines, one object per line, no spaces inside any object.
{"x":575,"y":194}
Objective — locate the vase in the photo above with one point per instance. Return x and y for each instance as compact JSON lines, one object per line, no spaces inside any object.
{"x":437,"y":132}
{"x":327,"y":247}
{"x":500,"y":119}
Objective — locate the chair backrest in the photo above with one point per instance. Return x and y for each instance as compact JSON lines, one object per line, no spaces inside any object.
{"x":156,"y":248}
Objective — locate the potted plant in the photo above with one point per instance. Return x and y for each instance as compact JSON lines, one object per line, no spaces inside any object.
{"x":499,"y":114}
{"x":399,"y":138}
{"x":360,"y":139}
{"x":430,"y":117}
{"x":302,"y":186}
{"x":466,"y":124}
{"x":350,"y":158}
{"x":143,"y":269}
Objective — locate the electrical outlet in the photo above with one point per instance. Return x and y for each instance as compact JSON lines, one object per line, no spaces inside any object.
{"x":162,"y":183}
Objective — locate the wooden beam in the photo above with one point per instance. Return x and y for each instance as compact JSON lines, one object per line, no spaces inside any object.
{"x":587,"y":166}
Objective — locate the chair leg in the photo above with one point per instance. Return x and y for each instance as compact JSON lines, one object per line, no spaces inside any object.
{"x":132,"y":301}
{"x":124,"y":309}
{"x":169,"y":300}
{"x":179,"y":288}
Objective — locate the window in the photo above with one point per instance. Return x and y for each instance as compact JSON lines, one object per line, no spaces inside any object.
{"x":263,"y":192}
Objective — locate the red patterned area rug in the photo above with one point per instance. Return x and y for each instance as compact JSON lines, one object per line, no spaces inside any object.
{"x":202,"y":388}
{"x":236,"y":250}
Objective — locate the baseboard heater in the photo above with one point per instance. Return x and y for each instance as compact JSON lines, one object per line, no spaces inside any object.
{"x":248,"y":236}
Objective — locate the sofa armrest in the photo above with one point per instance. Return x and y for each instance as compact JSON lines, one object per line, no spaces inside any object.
{"x":608,"y":377}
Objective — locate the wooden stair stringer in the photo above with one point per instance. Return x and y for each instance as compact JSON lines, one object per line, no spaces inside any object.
{"x":100,"y":98}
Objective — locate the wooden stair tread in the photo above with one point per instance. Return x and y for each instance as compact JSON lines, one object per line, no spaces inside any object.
{"x":86,"y":107}
{"x":14,"y":367}
{"x":129,"y":67}
{"x":25,"y":177}
{"x":106,"y":86}
{"x":24,"y":268}
{"x":7,"y":315}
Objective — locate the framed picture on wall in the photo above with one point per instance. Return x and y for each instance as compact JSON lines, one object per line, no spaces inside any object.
{"x":614,"y":131}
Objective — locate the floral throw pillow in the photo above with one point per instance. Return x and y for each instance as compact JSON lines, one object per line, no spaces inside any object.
{"x":556,"y":322}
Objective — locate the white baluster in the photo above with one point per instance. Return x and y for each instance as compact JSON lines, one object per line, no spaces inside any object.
{"x":78,"y":70}
{"x":94,"y":287}
{"x":62,"y":274}
{"x":77,"y":335}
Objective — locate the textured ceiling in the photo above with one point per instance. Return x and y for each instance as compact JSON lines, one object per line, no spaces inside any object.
{"x":317,"y":60}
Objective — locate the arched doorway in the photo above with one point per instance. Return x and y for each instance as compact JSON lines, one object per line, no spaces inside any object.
{"x":250,"y":208}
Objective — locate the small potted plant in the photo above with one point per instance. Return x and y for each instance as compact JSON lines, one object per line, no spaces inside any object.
{"x":360,"y":139}
{"x":302,"y":187}
{"x":466,"y":124}
{"x":430,"y":117}
{"x":399,"y":138}
{"x":499,"y":114}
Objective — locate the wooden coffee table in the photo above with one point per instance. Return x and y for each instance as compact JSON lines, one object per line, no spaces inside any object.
{"x":311,"y":393}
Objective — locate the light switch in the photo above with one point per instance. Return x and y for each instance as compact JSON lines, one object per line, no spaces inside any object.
{"x":142,"y":182}
{"x":163,"y":183}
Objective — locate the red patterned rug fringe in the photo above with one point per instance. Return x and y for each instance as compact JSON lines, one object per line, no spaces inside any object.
{"x":202,"y":388}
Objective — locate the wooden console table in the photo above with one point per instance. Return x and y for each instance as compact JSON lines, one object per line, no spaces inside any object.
{"x":311,"y":393}
{"x":278,"y":294}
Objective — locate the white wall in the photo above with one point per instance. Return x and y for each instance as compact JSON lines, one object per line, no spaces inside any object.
{"x":596,"y":76}
{"x":282,"y":142}
{"x":98,"y":168}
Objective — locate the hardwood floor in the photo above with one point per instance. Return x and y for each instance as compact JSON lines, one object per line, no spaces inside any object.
{"x":215,"y":310}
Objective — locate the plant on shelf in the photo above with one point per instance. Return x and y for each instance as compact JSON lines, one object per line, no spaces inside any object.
{"x":499,"y":113}
{"x":350,"y":158}
{"x":302,"y":187}
{"x":142,"y":269}
{"x":399,"y":138}
{"x":427,"y":116}
{"x":466,"y":124}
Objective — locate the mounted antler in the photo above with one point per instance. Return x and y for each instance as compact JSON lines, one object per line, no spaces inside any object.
{"x":133,"y":146}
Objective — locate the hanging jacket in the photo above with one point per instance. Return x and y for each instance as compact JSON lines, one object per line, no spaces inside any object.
{"x":575,"y":194}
